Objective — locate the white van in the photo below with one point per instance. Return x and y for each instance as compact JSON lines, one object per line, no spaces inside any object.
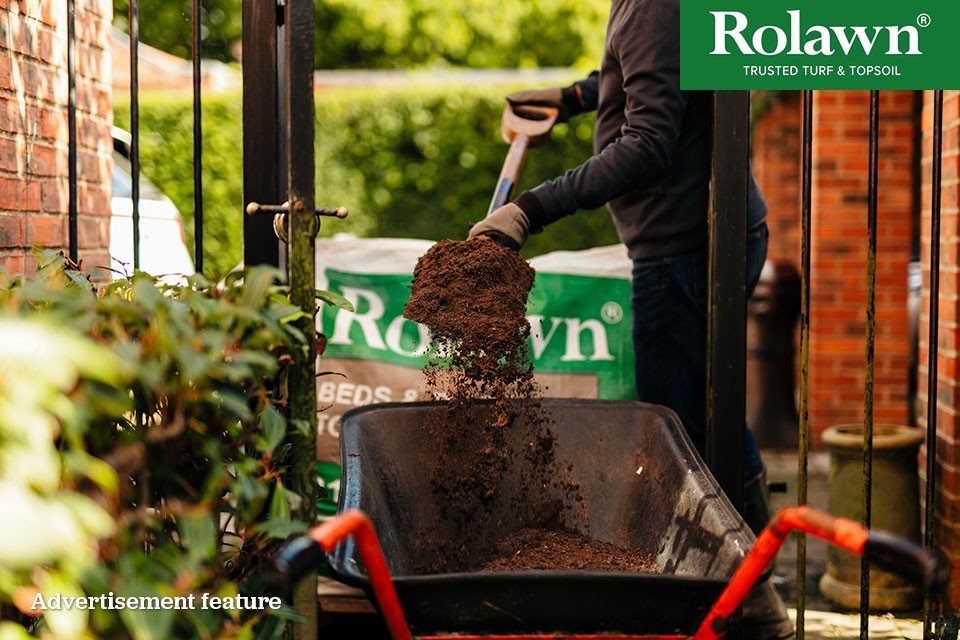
{"x":163,"y":249}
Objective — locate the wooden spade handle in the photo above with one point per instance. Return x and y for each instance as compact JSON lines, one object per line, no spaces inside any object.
{"x":507,"y":181}
{"x":521,"y":132}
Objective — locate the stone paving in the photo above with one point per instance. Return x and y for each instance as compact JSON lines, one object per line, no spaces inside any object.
{"x":828,"y":625}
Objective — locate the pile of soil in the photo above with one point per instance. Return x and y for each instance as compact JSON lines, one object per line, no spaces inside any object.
{"x":565,"y":551}
{"x":472,"y":295}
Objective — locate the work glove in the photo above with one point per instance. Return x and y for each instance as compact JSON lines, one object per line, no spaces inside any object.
{"x":567,"y":101}
{"x":508,"y":225}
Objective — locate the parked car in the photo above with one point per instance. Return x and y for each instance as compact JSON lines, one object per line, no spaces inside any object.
{"x":163,"y":248}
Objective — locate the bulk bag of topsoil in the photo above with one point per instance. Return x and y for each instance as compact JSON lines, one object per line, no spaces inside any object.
{"x":579,"y":344}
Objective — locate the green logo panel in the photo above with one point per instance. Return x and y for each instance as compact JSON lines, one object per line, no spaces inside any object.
{"x":815,"y":44}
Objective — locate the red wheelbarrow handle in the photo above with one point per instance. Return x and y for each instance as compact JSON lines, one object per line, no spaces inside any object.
{"x":879,"y":547}
{"x":300,"y":557}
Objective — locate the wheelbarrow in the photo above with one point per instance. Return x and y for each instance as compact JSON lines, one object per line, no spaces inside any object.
{"x":645,"y":487}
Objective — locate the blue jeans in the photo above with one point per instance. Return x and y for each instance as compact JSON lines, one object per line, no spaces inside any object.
{"x":669,"y":306}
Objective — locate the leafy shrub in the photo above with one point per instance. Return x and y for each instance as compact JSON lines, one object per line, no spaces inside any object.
{"x":145,"y":416}
{"x":421,"y":162}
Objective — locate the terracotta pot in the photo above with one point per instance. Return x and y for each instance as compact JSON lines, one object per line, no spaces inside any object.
{"x":895,"y":507}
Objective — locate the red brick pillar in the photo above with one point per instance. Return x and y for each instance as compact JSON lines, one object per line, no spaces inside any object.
{"x":838,"y":259}
{"x":34,"y":134}
{"x":947,"y":479}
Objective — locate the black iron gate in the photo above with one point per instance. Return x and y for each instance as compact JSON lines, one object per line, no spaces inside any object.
{"x":278,"y":142}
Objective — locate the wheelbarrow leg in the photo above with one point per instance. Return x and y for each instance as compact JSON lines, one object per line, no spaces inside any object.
{"x":877,"y":546}
{"x":300,"y":557}
{"x":765,"y":616}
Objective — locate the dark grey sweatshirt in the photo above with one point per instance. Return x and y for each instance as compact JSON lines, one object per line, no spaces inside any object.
{"x":651,"y":162}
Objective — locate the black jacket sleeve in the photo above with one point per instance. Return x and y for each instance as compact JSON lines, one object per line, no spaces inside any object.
{"x":646,"y":46}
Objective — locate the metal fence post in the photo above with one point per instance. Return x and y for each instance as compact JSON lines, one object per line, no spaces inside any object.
{"x":196,"y":52}
{"x":72,"y":173}
{"x":868,"y":400}
{"x":134,"y":26}
{"x":806,"y":187}
{"x":727,"y":309}
{"x":930,"y":602}
{"x":278,"y":139}
{"x":263,"y":179}
{"x":303,"y":227}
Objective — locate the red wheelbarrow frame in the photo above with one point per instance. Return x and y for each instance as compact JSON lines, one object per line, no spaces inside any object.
{"x":301,"y":555}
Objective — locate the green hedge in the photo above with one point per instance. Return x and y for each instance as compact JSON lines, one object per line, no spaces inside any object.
{"x":166,"y":155}
{"x":476,"y":33}
{"x":418,"y":163}
{"x":399,"y":34}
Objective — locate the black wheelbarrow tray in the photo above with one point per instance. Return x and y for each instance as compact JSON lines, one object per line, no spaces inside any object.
{"x":644,"y":488}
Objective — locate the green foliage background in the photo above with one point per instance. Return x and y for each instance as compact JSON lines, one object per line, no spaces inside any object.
{"x":421,"y":162}
{"x":474,"y":33}
{"x":167,"y":25}
{"x":400,"y":33}
{"x":166,"y":155}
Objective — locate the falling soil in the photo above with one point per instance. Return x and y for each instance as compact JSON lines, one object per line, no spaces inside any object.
{"x":563,"y":551}
{"x":472,"y":295}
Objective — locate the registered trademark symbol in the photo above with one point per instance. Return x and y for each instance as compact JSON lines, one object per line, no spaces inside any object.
{"x":611,"y":312}
{"x":923,"y":19}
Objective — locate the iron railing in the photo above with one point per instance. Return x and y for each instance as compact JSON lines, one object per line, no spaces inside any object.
{"x":929,"y":602}
{"x":72,"y":178}
{"x":727,"y":311}
{"x":196,"y":53}
{"x":727,"y":256}
{"x":806,"y":171}
{"x":134,"y":28}
{"x":278,"y":127}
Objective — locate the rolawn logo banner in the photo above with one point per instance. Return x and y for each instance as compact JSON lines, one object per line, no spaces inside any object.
{"x":816,"y":44}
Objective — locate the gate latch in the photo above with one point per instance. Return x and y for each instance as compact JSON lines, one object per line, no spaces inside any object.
{"x":280,"y":211}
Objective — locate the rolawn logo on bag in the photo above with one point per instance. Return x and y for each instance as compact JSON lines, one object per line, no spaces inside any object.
{"x":816,"y":44}
{"x":578,"y":328}
{"x":370,"y":327}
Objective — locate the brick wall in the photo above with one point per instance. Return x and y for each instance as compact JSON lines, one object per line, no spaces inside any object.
{"x":948,"y":363}
{"x":839,"y":245}
{"x":33,"y":130}
{"x":775,"y":158}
